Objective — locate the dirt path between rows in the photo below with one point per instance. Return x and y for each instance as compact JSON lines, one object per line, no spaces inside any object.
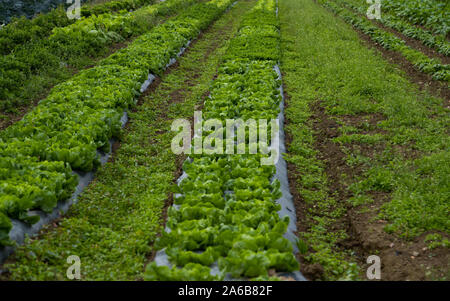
{"x":424,"y":81}
{"x":400,"y":259}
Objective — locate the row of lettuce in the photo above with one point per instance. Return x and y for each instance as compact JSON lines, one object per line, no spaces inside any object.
{"x":23,"y":30}
{"x":389,"y":41}
{"x":227,"y":222}
{"x":433,"y":14}
{"x":63,"y":133}
{"x":437,"y":42}
{"x":35,"y":66}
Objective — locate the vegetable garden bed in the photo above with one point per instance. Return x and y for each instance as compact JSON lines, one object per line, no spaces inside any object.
{"x":59,"y":121}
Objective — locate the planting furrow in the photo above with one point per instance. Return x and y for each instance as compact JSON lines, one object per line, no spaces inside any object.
{"x":439,"y":43}
{"x":226,"y":223}
{"x":64,"y":132}
{"x":389,"y":41}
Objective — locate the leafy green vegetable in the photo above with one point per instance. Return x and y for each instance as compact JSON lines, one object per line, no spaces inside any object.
{"x":228,"y":211}
{"x":190,"y":272}
{"x":38,"y":153}
{"x":47,"y":61}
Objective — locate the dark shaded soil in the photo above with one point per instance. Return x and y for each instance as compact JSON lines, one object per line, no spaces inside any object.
{"x":358,"y":120}
{"x":325,"y":129}
{"x":8,"y":119}
{"x":400,"y":259}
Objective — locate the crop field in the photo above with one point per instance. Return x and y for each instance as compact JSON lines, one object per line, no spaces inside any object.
{"x":198,"y":140}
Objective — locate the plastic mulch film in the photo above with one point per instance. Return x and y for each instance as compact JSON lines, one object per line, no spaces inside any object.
{"x":20,"y":229}
{"x":285,"y":201}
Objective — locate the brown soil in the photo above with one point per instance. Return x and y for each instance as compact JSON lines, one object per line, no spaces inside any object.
{"x":400,"y":259}
{"x":424,"y":81}
{"x":8,"y":119}
{"x":325,"y":129}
